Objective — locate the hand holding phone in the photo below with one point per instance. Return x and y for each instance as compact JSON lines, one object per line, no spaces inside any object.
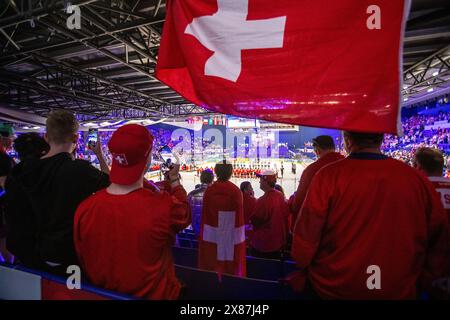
{"x":169,"y":158}
{"x":92,"y":138}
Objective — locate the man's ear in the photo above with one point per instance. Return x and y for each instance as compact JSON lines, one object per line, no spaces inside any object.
{"x":46,"y":137}
{"x":75,"y":138}
{"x":417,"y":166}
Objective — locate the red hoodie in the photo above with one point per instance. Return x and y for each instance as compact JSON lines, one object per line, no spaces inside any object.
{"x":370,"y":210}
{"x":124,"y":241}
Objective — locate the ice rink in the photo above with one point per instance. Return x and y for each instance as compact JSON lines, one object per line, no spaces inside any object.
{"x":289,"y":182}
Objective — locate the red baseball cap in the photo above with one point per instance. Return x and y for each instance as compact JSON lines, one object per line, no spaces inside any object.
{"x":130,"y":146}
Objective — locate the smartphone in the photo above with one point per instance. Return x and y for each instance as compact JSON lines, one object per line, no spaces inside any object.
{"x":168,"y":158}
{"x":92,"y":137}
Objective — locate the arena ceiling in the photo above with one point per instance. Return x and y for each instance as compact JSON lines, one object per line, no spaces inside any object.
{"x":105,"y":70}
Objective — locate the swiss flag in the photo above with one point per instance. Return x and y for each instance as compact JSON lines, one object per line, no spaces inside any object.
{"x":333,"y":64}
{"x":222,"y":246}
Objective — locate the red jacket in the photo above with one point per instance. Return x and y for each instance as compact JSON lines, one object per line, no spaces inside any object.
{"x":370,"y":210}
{"x":124,"y":241}
{"x":270,"y":222}
{"x":306,"y":179}
{"x":249,"y":207}
{"x":442,"y":186}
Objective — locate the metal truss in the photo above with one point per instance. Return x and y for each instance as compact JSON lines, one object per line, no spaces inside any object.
{"x":124,"y":44}
{"x":428,"y":74}
{"x":106,"y":69}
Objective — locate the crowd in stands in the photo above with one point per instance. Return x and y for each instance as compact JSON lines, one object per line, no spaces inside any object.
{"x":347,"y":214}
{"x":162,"y":138}
{"x":419,"y":131}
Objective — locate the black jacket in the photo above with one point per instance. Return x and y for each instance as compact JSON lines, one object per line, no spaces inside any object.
{"x":42,"y":197}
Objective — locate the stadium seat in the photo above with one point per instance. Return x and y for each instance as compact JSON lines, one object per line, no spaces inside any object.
{"x":236,"y":288}
{"x":266,"y":269}
{"x":44,"y":286}
{"x":185,"y":256}
{"x":289,"y":294}
{"x":186,"y":243}
{"x":190,"y":236}
{"x":289,"y":267}
{"x":198,"y":284}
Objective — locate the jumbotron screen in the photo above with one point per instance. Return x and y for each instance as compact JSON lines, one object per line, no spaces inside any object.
{"x":242,"y":123}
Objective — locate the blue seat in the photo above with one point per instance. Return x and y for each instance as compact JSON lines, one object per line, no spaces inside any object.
{"x":265,"y":269}
{"x":189,"y":231}
{"x":186,"y":243}
{"x":236,"y":288}
{"x":190,"y":236}
{"x":182,"y":235}
{"x":198,"y":284}
{"x":85,"y":286}
{"x":289,"y":267}
{"x":289,"y":294}
{"x":185,"y":256}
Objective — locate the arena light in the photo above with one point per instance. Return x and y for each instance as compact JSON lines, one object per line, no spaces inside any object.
{"x":430,"y":90}
{"x":105,"y":124}
{"x":89,"y":124}
{"x":435,"y":73}
{"x":35,"y":127}
{"x":405,"y":99}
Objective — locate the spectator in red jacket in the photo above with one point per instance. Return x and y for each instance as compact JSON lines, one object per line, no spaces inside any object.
{"x":124,"y":233}
{"x":324,"y":148}
{"x":431,"y":162}
{"x":269,"y":219}
{"x":371,"y":227}
{"x":222,"y":245}
{"x":249,"y":200}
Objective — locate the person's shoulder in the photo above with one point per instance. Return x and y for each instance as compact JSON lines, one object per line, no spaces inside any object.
{"x":233,"y":187}
{"x":196,"y":191}
{"x":4,"y":156}
{"x":92,"y":200}
{"x":405,"y":171}
{"x":394,"y":165}
{"x":80,"y":163}
{"x":80,"y":167}
{"x":334,"y":166}
{"x":154,"y":197}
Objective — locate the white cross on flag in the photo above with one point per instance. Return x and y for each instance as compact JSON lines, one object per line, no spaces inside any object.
{"x":222,"y":246}
{"x":333,"y":64}
{"x":225,"y":236}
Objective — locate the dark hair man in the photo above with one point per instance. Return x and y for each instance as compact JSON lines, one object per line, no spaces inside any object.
{"x":124,"y":233}
{"x":55,"y":185}
{"x":269,"y":219}
{"x":30,"y":145}
{"x":371,"y":227}
{"x":222,"y":232}
{"x":195,"y":198}
{"x":248,"y":199}
{"x":21,"y":222}
{"x":324,"y":148}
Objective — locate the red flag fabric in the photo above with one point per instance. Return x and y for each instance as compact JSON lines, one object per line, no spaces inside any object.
{"x":331,"y":64}
{"x":222,"y":246}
